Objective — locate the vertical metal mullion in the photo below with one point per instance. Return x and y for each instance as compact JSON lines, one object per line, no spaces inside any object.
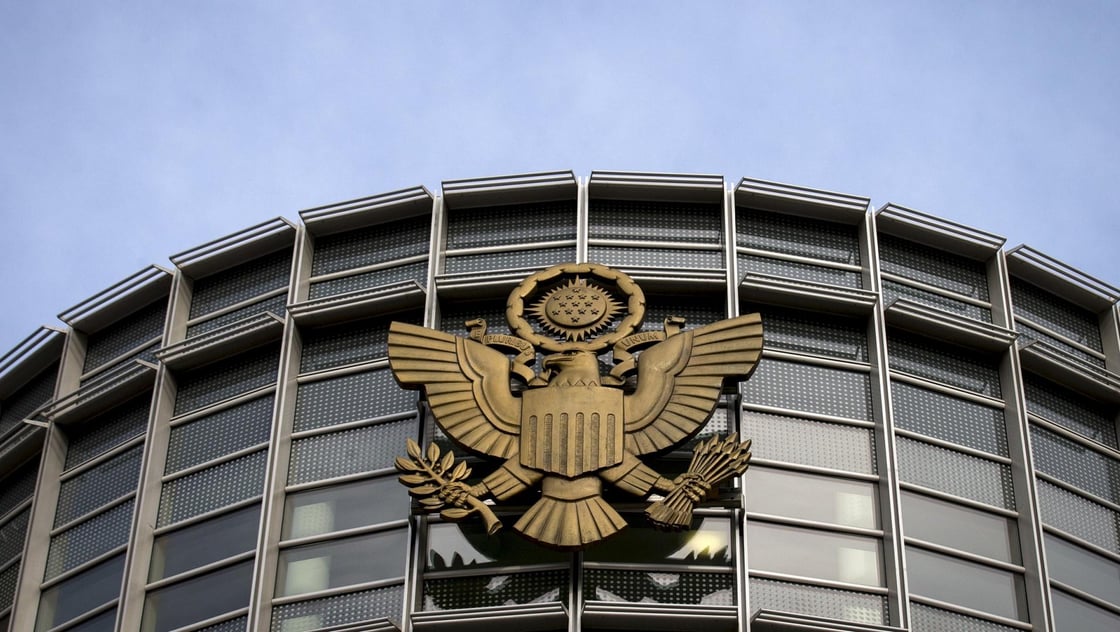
{"x":137,"y":559}
{"x":730,"y":259}
{"x":582,"y":220}
{"x":1017,"y":423}
{"x":279,"y":446}
{"x":894,"y":550}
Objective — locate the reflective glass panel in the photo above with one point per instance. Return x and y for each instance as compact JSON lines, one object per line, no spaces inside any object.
{"x":465,"y":545}
{"x":80,"y":593}
{"x":960,"y":527}
{"x":811,"y":497}
{"x":810,"y":553}
{"x":341,"y":507}
{"x":707,"y":542}
{"x":965,"y":583}
{"x":1073,"y":565}
{"x":1074,"y":615}
{"x":198,"y":598}
{"x":204,"y":542}
{"x":345,"y":562}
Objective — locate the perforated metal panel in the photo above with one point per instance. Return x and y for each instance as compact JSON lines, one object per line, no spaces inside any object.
{"x":233,"y":625}
{"x":933,"y":266}
{"x":955,"y":473}
{"x":925,"y":618}
{"x":949,"y":418}
{"x":108,"y":430}
{"x":8,"y":578}
{"x":495,"y":589}
{"x":274,"y":306}
{"x":349,"y":344}
{"x":830,"y":603}
{"x":1079,"y":516}
{"x":216,"y":435}
{"x":1076,"y":323}
{"x":691,"y":588}
{"x":509,"y":260}
{"x":810,"y":388}
{"x":375,"y":244}
{"x":98,"y":486}
{"x":793,"y":235}
{"x":241,"y":282}
{"x":513,"y":224}
{"x":893,"y":291}
{"x":215,"y":382}
{"x":25,"y":400}
{"x":696,"y":311}
{"x":1028,"y":334}
{"x":314,"y":614}
{"x":18,"y":487}
{"x":87,"y":540}
{"x":212,"y":488}
{"x":798,"y":270}
{"x":1075,"y":464}
{"x":950,"y":365}
{"x":816,"y":443}
{"x":349,"y":452}
{"x":11,"y":535}
{"x":656,"y":257}
{"x":655,"y":221}
{"x":818,"y":334}
{"x":1070,"y":410}
{"x":411,"y":272}
{"x":137,"y":328}
{"x":350,"y":398}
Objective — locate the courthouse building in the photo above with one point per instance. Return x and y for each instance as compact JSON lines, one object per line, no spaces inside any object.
{"x":209,"y":446}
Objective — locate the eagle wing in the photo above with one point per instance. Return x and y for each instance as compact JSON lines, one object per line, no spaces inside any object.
{"x":680,"y":379}
{"x":467,"y":385}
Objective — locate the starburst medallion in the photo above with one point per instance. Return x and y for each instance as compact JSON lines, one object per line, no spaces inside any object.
{"x":576,"y":310}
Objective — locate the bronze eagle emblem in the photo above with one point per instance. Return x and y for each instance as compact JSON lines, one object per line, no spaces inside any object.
{"x":572,"y":428}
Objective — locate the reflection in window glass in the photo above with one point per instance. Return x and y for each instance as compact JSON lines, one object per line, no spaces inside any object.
{"x":965,"y":583}
{"x":1073,"y":615}
{"x":341,"y":507}
{"x":464,"y":546}
{"x":809,"y":553}
{"x":343,"y":562}
{"x":80,"y":593}
{"x":707,"y":542}
{"x":1081,"y":569}
{"x":198,"y":598}
{"x":811,"y":497}
{"x":205,"y":542}
{"x":959,"y":527}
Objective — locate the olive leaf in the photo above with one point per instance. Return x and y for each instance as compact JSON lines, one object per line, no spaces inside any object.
{"x":454,"y":513}
{"x":413,"y":449}
{"x":433,"y":453}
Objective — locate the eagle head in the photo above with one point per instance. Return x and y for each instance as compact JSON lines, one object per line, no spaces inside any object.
{"x":573,"y":368}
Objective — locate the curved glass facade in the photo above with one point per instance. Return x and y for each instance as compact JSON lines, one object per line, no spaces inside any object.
{"x":210,"y":446}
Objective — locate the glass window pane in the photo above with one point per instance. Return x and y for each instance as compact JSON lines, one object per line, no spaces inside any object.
{"x":343,"y":562}
{"x":1073,"y":565}
{"x":199,"y":598}
{"x":965,"y":583}
{"x":811,"y":497}
{"x":204,"y":543}
{"x":808,"y":442}
{"x":810,"y":553}
{"x":959,"y":527}
{"x":80,"y":593}
{"x":341,"y":507}
{"x":707,"y":542}
{"x":466,"y":545}
{"x":1073,"y":615}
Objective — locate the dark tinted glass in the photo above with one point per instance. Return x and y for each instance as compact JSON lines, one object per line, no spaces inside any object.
{"x":965,"y":583}
{"x":198,"y":598}
{"x":811,"y":497}
{"x":205,"y":542}
{"x":1073,"y":615}
{"x":1073,"y":565}
{"x":344,"y":562}
{"x":80,"y":593}
{"x":340,"y":507}
{"x":959,"y":527}
{"x":833,"y":556}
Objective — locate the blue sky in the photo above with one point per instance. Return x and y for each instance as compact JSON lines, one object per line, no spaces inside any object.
{"x":135,"y":130}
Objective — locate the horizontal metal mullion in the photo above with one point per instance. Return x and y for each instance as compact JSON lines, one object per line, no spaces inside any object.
{"x":223,"y":404}
{"x":1084,"y":596}
{"x":823,"y":263}
{"x":263,"y":296}
{"x":107,"y":455}
{"x":949,"y":445}
{"x":816,"y":581}
{"x":203,"y":517}
{"x":349,"y":425}
{"x":225,"y":458}
{"x":1061,"y":337}
{"x":965,"y":555}
{"x":933,"y":289}
{"x":93,"y":513}
{"x":801,"y":414}
{"x":816,"y":360}
{"x":969,"y":612}
{"x":201,"y":570}
{"x":490,"y":570}
{"x":380,"y":527}
{"x":664,"y":567}
{"x":1069,"y":487}
{"x":1066,"y":433}
{"x":342,"y":590}
{"x":84,"y":566}
{"x":115,"y":360}
{"x":338,"y":480}
{"x":1076,"y":541}
{"x":813,"y":524}
{"x":373,"y":267}
{"x":946,"y":389}
{"x":655,"y":245}
{"x":489,"y":250}
{"x":343,"y":370}
{"x":227,"y":616}
{"x":811,"y":469}
{"x":86,"y":616}
{"x":15,"y":511}
{"x":959,"y":500}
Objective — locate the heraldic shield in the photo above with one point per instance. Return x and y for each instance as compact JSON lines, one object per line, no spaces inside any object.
{"x":569,"y":428}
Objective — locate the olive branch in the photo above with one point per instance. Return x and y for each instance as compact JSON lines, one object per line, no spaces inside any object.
{"x":438,"y":485}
